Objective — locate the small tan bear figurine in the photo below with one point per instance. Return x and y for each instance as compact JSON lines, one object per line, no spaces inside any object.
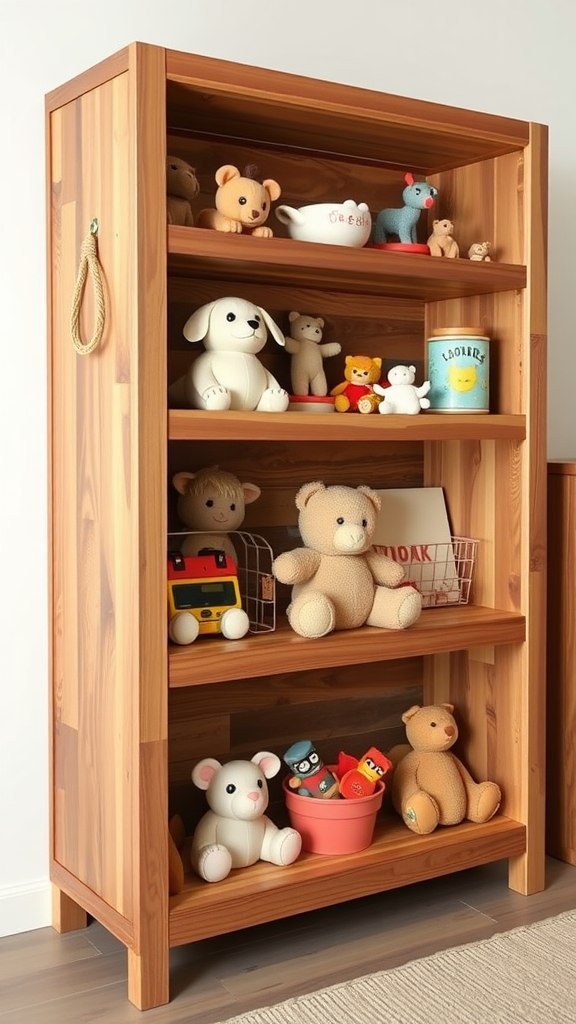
{"x":441,"y":242}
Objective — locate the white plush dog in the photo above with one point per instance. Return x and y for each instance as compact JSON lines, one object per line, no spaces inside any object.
{"x":228,"y":375}
{"x":235,"y":832}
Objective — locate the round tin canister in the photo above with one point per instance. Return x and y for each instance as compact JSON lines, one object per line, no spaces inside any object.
{"x":459,"y":370}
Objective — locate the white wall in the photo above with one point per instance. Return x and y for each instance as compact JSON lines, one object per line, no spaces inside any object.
{"x":510,"y":57}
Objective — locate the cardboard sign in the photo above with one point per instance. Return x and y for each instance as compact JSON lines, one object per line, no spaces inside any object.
{"x":413,"y":529}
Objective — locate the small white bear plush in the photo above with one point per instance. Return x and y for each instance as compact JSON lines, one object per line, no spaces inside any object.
{"x":308,"y":351}
{"x":236,"y":832}
{"x":402,"y":396}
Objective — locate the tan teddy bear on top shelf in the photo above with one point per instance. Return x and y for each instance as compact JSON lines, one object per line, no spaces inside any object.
{"x":242,"y":203}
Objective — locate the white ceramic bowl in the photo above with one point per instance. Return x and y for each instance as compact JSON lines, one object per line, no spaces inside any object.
{"x":346,"y":223}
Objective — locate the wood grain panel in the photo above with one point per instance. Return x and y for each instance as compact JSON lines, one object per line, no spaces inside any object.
{"x":393,"y":859}
{"x":437,"y":631}
{"x":108,"y":445}
{"x":90,"y":471}
{"x":350,"y":708}
{"x":281,"y":469}
{"x":527,"y":873}
{"x":195,"y":253}
{"x":247,"y":102}
{"x":561,"y":662}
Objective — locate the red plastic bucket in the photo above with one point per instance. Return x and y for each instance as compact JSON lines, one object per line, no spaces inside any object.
{"x":334,"y":826}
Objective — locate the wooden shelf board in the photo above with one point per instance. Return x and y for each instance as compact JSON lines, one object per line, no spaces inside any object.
{"x":199,"y":252}
{"x":396,"y":857}
{"x":197,"y":425}
{"x":316,"y":117}
{"x":439,"y":630}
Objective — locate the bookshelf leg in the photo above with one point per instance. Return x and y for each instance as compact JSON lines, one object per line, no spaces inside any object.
{"x":148,"y":979}
{"x":67,"y":915}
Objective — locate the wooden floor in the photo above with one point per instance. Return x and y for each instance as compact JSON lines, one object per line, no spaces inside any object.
{"x":80,"y":978}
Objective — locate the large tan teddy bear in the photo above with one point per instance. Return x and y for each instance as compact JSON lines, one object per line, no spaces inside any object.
{"x":338,"y":581}
{"x":242,"y":203}
{"x":308,"y":352}
{"x":441,"y":241}
{"x":430,"y":785}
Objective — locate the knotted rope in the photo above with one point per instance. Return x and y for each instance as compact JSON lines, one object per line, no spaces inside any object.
{"x":89,"y":264}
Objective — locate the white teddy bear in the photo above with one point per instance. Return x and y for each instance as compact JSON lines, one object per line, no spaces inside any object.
{"x":235,"y":832}
{"x":402,"y":396}
{"x":229,"y":375}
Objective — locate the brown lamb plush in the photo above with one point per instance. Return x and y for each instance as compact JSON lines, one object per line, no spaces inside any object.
{"x":338,"y":580}
{"x":181,"y":187}
{"x":441,"y":242}
{"x":430,"y":785}
{"x":242,"y":203}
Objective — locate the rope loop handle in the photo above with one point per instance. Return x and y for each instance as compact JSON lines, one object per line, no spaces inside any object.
{"x":89,"y":264}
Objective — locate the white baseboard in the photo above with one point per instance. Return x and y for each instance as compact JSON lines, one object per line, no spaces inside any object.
{"x":26,"y":907}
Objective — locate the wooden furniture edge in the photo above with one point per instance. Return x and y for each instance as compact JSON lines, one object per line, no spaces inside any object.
{"x":294,"y":88}
{"x":263,"y":892}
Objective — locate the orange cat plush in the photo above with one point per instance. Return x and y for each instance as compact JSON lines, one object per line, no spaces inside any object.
{"x":356,"y":393}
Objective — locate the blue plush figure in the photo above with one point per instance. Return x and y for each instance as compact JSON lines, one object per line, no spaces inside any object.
{"x":402,"y":221}
{"x":310,"y":776}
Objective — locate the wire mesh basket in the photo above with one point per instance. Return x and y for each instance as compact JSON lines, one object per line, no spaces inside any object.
{"x":442,"y":572}
{"x":257,"y":584}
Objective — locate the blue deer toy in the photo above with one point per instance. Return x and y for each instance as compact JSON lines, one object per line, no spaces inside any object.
{"x":402,"y":221}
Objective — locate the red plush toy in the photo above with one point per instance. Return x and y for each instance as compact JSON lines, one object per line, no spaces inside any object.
{"x":360,"y":777}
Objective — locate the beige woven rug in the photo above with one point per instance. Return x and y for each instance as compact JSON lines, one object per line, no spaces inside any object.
{"x":524,"y":976}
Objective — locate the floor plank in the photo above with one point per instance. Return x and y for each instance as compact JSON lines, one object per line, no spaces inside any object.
{"x":46,"y":978}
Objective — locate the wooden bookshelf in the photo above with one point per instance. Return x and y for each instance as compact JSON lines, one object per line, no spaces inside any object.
{"x":130,"y":713}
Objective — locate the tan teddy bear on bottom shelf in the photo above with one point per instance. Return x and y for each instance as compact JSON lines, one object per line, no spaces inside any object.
{"x":338,"y":580}
{"x":430,"y":785}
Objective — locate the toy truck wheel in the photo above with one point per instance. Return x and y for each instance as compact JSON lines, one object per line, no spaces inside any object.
{"x":183,"y":628}
{"x":234,"y":624}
